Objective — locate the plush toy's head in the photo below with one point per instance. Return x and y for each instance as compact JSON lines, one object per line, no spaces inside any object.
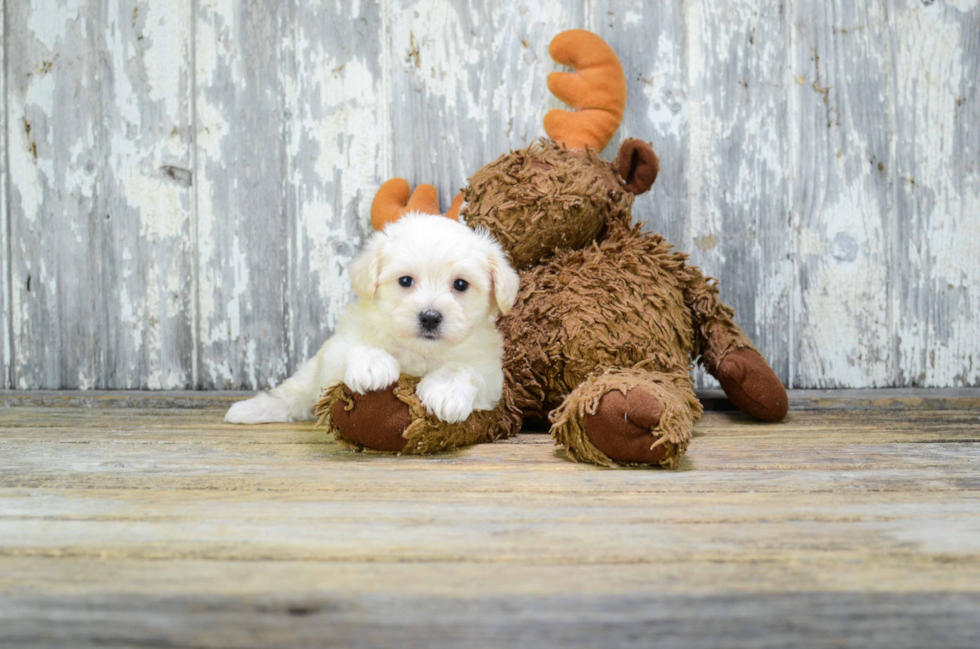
{"x":558,"y":194}
{"x":547,"y":197}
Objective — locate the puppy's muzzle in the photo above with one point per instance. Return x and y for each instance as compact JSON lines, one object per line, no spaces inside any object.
{"x":429,"y":322}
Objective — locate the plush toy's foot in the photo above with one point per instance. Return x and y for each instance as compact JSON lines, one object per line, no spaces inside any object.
{"x":752,"y":386}
{"x":628,"y":417}
{"x":375,"y":420}
{"x":394,"y":420}
{"x":622,"y":424}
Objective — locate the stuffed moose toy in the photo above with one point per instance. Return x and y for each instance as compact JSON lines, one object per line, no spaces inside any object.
{"x":608,"y":319}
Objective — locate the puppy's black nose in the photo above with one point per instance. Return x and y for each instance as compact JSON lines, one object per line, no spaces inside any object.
{"x":430,"y":320}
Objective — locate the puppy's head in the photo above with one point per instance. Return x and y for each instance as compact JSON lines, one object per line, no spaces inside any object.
{"x":434,"y":279}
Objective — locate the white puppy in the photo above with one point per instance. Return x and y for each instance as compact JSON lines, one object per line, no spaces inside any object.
{"x":428,"y":290}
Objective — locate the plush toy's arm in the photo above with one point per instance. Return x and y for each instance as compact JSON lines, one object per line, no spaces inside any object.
{"x":728,"y":354}
{"x":715,"y":332}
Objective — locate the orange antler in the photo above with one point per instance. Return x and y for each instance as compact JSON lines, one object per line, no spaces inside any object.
{"x":596,"y":91}
{"x":394,"y":200}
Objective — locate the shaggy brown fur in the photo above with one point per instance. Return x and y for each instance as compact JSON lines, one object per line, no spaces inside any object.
{"x":605,"y":327}
{"x":671,"y":435}
{"x":593,"y":308}
{"x":628,"y":307}
{"x":545,"y":198}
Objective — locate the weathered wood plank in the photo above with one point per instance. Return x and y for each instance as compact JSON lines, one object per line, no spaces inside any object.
{"x":242,"y":66}
{"x":516,"y":68}
{"x":146,"y":119}
{"x":298,"y":581}
{"x":825,"y":424}
{"x":651,"y":40}
{"x":134,"y":527}
{"x":739,"y":230}
{"x":193,"y":450}
{"x":301,"y":110}
{"x":100,"y":199}
{"x":329,"y":618}
{"x":56,"y":213}
{"x":4,"y":224}
{"x":886,"y":399}
{"x":936,"y":233}
{"x":842,"y":134}
{"x":438,"y":100}
{"x":336,"y":102}
{"x":221,"y":399}
{"x":464,"y":525}
{"x":181,"y":462}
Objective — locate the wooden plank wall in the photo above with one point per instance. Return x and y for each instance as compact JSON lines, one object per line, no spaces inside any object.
{"x":186,"y":181}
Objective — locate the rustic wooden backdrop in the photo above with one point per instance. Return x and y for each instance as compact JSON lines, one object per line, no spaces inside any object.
{"x":185,"y":181}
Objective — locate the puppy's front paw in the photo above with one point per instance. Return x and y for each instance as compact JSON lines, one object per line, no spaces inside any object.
{"x":370,"y":369}
{"x":449,"y":397}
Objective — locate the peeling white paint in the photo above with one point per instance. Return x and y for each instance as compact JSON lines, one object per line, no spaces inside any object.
{"x":963,"y":5}
{"x":844,"y":301}
{"x":767,"y":175}
{"x":939,"y":196}
{"x":436,"y":48}
{"x":668,"y":110}
{"x":6,"y":362}
{"x":169,"y":43}
{"x":519,"y":65}
{"x":49,"y":23}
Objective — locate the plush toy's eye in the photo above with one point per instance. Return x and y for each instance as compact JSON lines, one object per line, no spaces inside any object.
{"x":461,"y":285}
{"x":405,"y":281}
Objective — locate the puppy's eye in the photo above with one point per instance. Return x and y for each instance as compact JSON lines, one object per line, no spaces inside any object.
{"x":405,"y":281}
{"x":461,"y":285}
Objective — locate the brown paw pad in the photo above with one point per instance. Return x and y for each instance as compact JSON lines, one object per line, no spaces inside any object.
{"x":621,"y":426}
{"x":752,"y":386}
{"x":377,"y":420}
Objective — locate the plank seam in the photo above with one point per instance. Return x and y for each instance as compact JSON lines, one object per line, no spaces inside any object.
{"x":894,"y":259}
{"x":795,"y":118}
{"x":195,"y":235}
{"x":100,"y":355}
{"x":386,"y":153}
{"x":288,"y":67}
{"x":8,"y":346}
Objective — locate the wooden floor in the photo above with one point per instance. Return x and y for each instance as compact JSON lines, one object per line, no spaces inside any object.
{"x":157,"y":525}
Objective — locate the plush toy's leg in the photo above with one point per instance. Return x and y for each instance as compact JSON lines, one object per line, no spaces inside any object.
{"x":628,"y":416}
{"x":729,"y":356}
{"x":394,"y":420}
{"x":376,"y":420}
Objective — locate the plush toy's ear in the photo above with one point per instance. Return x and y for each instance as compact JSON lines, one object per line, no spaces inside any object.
{"x":366,"y":269}
{"x":638,"y":165}
{"x":504,"y":279}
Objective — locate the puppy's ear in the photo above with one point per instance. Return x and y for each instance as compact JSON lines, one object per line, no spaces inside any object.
{"x":366,"y":269}
{"x":504,"y":280}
